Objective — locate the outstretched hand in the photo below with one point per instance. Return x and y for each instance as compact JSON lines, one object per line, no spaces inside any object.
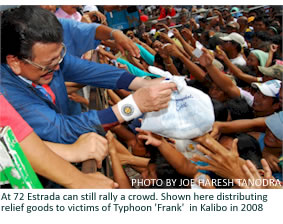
{"x":155,"y":97}
{"x":221,"y":161}
{"x":123,"y":43}
{"x":149,"y":137}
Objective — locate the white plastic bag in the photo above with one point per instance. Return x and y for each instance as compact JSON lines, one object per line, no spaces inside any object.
{"x":189,"y":114}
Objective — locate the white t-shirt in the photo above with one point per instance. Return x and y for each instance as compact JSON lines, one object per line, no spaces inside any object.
{"x":239,"y":60}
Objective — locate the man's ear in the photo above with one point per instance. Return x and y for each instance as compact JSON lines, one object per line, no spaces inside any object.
{"x":14,"y":63}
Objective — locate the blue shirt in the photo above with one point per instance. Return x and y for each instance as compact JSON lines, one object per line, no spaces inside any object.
{"x":54,"y":122}
{"x":78,"y":36}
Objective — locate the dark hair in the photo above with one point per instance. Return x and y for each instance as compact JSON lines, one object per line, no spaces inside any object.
{"x":22,"y":27}
{"x":246,"y":69}
{"x":165,"y":171}
{"x":248,"y":148}
{"x":213,"y":42}
{"x":262,"y":19}
{"x":159,"y":60}
{"x":197,"y":84}
{"x":178,"y":64}
{"x":262,"y":35}
{"x":239,"y":109}
{"x":220,"y":110}
{"x":277,"y":39}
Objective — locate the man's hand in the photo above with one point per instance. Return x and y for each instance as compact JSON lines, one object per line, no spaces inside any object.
{"x":206,"y":58}
{"x":154,"y":98}
{"x":187,"y":33}
{"x":219,"y":53}
{"x":123,"y":43}
{"x":253,"y":174}
{"x":90,"y":146}
{"x":151,"y":138}
{"x":216,"y":132}
{"x":221,"y":161}
{"x":273,"y":48}
{"x":172,"y":50}
{"x":165,"y":38}
{"x":177,"y":33}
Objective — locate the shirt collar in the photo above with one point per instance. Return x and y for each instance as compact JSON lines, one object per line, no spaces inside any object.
{"x":24,"y":79}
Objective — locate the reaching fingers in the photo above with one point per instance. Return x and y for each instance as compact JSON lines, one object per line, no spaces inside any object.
{"x":266,"y":168}
{"x":253,"y":169}
{"x":205,"y":150}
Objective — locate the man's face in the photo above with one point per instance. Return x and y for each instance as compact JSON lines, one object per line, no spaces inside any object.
{"x":44,"y":54}
{"x":252,"y":61}
{"x":259,"y":26}
{"x":255,"y":42}
{"x":227,"y":46}
{"x":263,"y":105}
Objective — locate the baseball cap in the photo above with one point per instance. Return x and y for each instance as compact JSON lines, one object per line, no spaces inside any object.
{"x":275,"y":71}
{"x":235,"y":37}
{"x":235,"y":9}
{"x":275,"y":123}
{"x":270,"y":88}
{"x":234,"y":24}
{"x":250,"y":19}
{"x":89,"y":8}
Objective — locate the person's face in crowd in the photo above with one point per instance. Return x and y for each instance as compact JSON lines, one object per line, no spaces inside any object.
{"x":225,"y":14}
{"x":255,"y":42}
{"x":150,"y":173}
{"x":70,"y":9}
{"x":264,"y":105}
{"x":259,"y":26}
{"x":242,"y":22}
{"x":227,"y":46}
{"x":216,"y":93}
{"x":47,"y":56}
{"x":252,"y":62}
{"x":271,"y":141}
{"x":156,"y":45}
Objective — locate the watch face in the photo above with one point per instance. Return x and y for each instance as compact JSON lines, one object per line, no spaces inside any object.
{"x":127,"y":109}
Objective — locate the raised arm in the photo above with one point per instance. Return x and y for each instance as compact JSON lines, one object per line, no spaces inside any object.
{"x":218,"y":77}
{"x":195,"y":70}
{"x":187,"y":47}
{"x":234,"y":69}
{"x":257,"y":124}
{"x":175,"y":158}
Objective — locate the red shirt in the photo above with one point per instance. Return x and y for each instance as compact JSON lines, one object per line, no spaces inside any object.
{"x":163,"y":13}
{"x":10,"y":117}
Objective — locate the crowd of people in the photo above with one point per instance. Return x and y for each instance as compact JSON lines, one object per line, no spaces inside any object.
{"x":51,"y":55}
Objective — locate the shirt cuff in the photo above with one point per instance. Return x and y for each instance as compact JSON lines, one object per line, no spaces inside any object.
{"x":107,"y":118}
{"x":125,"y":80}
